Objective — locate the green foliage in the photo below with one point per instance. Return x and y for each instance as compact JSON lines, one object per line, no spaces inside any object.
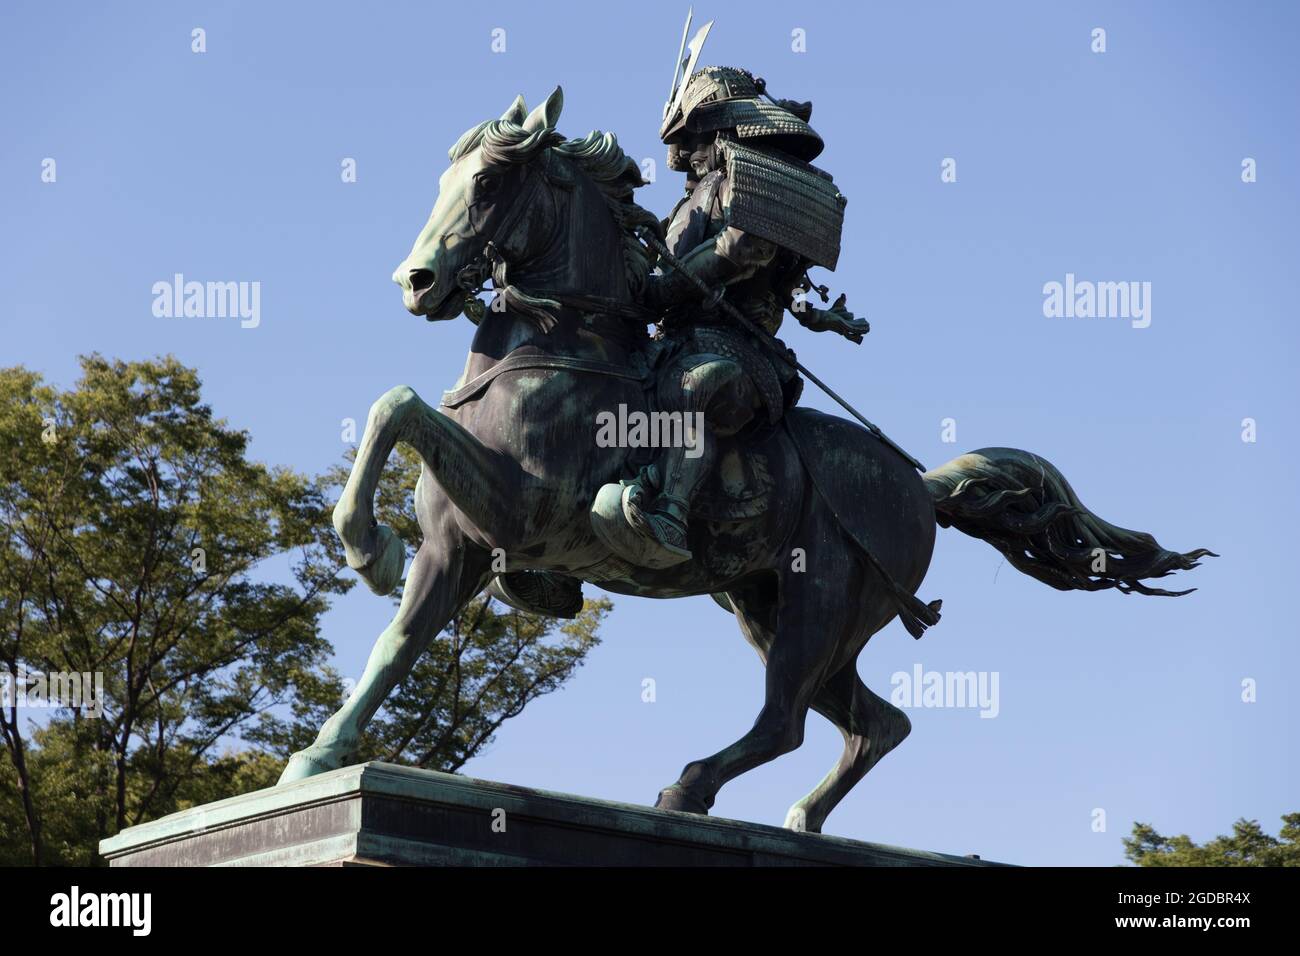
{"x":138,"y":542}
{"x":132,"y":528}
{"x":1248,"y":845}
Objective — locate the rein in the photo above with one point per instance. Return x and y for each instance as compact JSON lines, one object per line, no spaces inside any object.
{"x":521,"y":360}
{"x":539,"y":306}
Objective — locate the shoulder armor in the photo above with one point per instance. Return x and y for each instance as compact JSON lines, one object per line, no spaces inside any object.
{"x":783,"y":200}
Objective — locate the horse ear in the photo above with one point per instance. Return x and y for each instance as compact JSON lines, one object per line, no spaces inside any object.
{"x":547,"y":114}
{"x":517,"y":112}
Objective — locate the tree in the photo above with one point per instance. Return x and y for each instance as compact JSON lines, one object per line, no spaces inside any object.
{"x":487,"y":665}
{"x":140,"y":546}
{"x":1248,"y":845}
{"x":131,"y":528}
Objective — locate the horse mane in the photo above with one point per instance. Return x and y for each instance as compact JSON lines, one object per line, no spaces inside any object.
{"x":598,"y":155}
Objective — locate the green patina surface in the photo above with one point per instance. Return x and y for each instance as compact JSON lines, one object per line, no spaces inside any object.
{"x":815,"y":531}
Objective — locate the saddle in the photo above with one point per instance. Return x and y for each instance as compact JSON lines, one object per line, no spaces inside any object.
{"x":739,"y":485}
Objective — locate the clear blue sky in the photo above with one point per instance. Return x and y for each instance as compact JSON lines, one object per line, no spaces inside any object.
{"x":1117,"y":166}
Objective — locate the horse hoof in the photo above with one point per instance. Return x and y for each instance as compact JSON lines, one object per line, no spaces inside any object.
{"x":797,"y":819}
{"x":682,"y":800}
{"x":307,"y":763}
{"x":384,"y":571}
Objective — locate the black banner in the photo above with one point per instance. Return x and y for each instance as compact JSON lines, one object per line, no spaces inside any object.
{"x":984,"y":906}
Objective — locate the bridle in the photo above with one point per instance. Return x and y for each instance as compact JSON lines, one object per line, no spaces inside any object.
{"x":472,"y":278}
{"x":491,"y":263}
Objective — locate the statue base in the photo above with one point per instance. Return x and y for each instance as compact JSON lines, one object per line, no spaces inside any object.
{"x":380,"y":814}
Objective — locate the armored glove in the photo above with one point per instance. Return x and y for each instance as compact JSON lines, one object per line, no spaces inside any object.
{"x":836,"y":319}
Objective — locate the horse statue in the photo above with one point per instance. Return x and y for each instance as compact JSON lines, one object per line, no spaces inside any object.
{"x":511,"y":468}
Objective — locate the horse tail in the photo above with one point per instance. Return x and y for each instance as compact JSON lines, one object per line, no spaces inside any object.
{"x":1021,"y":505}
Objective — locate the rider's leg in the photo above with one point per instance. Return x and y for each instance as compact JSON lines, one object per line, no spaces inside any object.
{"x":717,"y":393}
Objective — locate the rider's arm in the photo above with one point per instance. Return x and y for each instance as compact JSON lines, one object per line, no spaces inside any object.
{"x":729,"y":256}
{"x":835,"y":319}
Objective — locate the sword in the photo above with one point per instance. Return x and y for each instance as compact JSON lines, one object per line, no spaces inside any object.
{"x":716,"y":296}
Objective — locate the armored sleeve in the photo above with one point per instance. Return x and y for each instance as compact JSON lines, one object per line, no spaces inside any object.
{"x":748,"y":252}
{"x":744,"y":253}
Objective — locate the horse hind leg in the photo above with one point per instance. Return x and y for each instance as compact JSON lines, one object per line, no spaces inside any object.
{"x":871,"y":727}
{"x":798,"y":637}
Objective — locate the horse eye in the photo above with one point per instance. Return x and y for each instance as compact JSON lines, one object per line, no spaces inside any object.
{"x":487,"y":185}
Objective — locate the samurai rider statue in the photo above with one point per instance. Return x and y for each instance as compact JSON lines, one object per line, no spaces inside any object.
{"x":756,"y":216}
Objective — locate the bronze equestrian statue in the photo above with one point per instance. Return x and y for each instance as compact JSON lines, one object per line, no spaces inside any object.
{"x":512,"y":469}
{"x":755,"y":218}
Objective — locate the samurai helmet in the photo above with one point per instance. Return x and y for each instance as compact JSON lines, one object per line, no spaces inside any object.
{"x":728,"y":98}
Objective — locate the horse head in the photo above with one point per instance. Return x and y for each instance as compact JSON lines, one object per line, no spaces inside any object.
{"x":519,"y":197}
{"x":490,"y":169}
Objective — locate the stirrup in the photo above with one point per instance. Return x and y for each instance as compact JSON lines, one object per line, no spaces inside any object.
{"x":648,"y":540}
{"x":539,"y":592}
{"x":656,"y":526}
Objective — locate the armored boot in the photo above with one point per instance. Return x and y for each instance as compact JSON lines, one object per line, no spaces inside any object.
{"x":645,"y":520}
{"x":662,"y":519}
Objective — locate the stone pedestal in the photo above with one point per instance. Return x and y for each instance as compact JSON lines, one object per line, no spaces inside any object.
{"x":380,"y":814}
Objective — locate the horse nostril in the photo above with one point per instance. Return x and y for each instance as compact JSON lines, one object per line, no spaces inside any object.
{"x":422,"y":280}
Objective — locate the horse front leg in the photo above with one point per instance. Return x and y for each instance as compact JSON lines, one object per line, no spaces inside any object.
{"x":447,"y":573}
{"x":478,"y":481}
